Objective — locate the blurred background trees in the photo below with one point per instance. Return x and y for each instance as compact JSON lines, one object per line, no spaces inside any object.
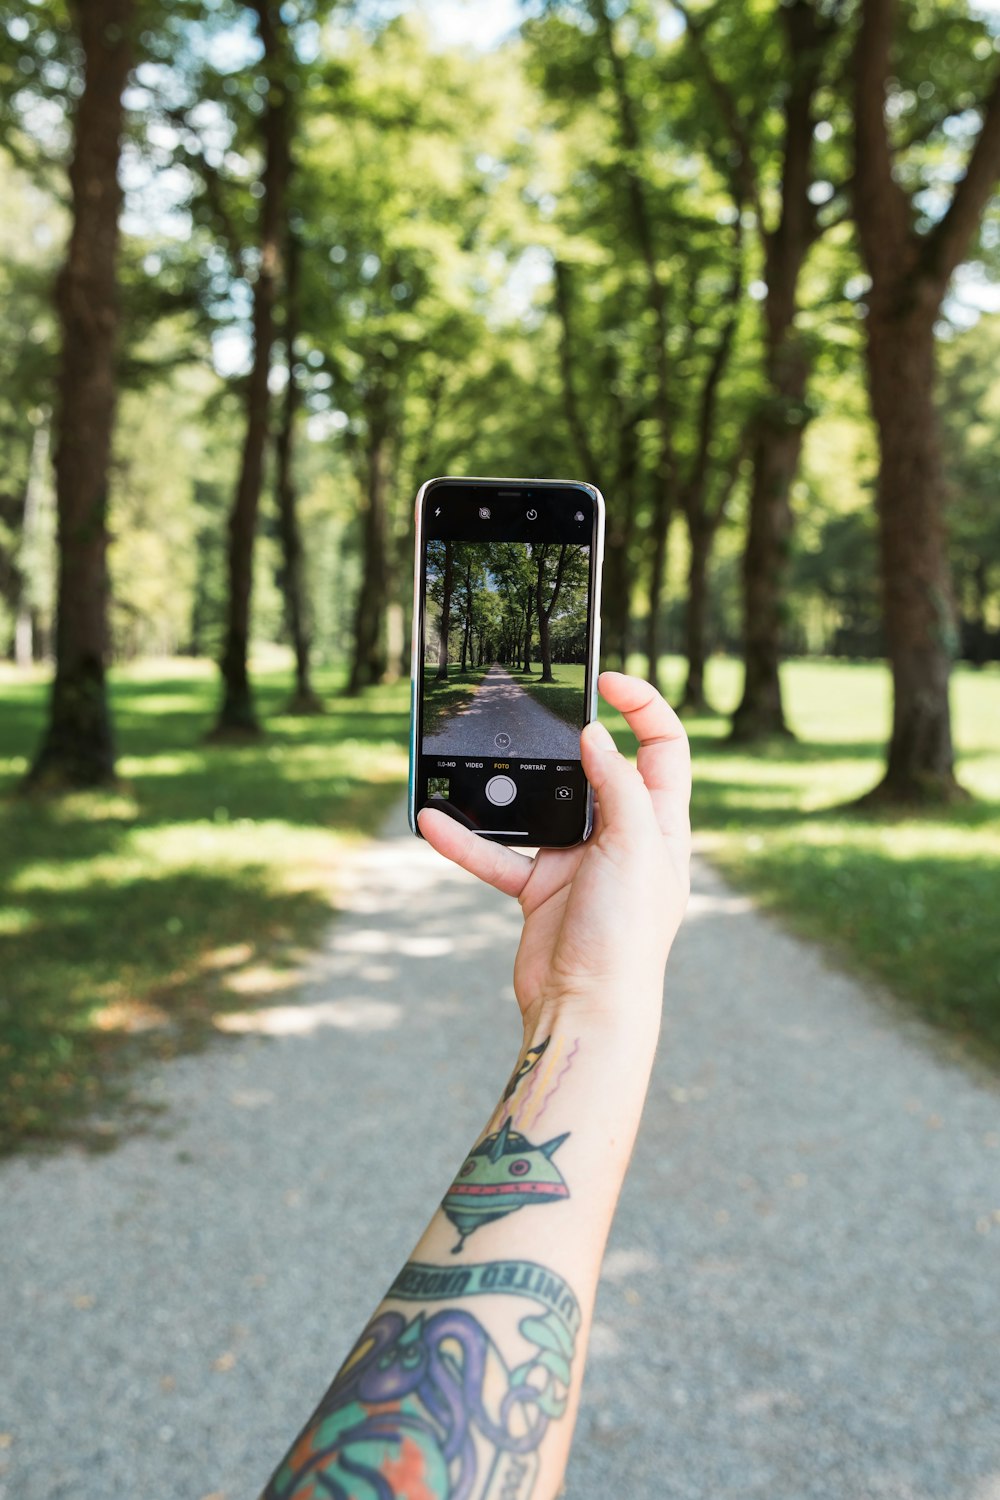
{"x":639,"y":243}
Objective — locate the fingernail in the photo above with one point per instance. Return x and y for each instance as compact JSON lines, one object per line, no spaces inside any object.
{"x":600,"y":737}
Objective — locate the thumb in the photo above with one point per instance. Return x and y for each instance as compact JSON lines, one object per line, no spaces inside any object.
{"x":626,"y":806}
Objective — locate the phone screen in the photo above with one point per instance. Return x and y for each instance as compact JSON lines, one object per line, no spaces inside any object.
{"x":506,"y":585}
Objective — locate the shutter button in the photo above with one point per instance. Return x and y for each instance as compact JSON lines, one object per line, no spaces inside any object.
{"x":500,"y":790}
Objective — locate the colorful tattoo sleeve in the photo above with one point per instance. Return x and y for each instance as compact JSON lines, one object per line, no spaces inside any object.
{"x":427,"y":1407}
{"x":434,"y":1403}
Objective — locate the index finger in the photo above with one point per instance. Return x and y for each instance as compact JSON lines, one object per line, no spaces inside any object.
{"x":664,"y":758}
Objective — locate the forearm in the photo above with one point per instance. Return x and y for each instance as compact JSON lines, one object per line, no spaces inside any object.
{"x":466,"y":1380}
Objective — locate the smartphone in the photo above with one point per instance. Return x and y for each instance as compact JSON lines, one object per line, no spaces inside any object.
{"x":506,"y":626}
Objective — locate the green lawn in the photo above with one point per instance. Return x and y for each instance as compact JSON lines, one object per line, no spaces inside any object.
{"x":912,"y":901}
{"x":444,"y":699}
{"x":564,"y":696}
{"x":128,"y":920}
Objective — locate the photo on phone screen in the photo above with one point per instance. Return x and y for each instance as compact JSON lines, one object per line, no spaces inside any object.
{"x":506,"y":619}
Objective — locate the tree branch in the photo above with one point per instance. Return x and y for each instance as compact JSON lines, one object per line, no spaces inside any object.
{"x":946,"y":244}
{"x":748,"y":182}
{"x":882,"y":207}
{"x":576,"y":425}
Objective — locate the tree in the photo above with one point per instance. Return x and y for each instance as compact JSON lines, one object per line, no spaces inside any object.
{"x":448,"y":583}
{"x":807,"y":35}
{"x":644,"y":291}
{"x":236,"y":711}
{"x":303,"y":699}
{"x":911,"y":264}
{"x":78,"y":747}
{"x":969,"y":405}
{"x":550,"y":564}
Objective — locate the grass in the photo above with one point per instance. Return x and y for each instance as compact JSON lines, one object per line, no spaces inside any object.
{"x":129,"y":919}
{"x":564,"y":696}
{"x":444,"y":699}
{"x":909,"y":900}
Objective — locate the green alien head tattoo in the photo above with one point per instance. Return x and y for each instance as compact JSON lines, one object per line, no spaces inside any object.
{"x":505,"y":1172}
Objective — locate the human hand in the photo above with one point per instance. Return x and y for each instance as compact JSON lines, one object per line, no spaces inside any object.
{"x":599,"y":918}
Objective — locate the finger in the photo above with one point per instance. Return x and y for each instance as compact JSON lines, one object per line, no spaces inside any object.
{"x":664,"y":758}
{"x":497,"y":865}
{"x":624,"y":800}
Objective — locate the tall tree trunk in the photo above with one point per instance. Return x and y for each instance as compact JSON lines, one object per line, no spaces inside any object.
{"x":917,"y":602}
{"x":236,"y":713}
{"x":693,"y":697}
{"x":544,"y":610}
{"x":304,"y":700}
{"x":467,"y":625}
{"x":447,"y":587}
{"x":25,"y":645}
{"x":910,"y":272}
{"x":618,"y":575}
{"x":369,"y":664}
{"x":781,"y":423}
{"x":78,"y":747}
{"x":620,"y":499}
{"x":777,"y":444}
{"x":656,"y":301}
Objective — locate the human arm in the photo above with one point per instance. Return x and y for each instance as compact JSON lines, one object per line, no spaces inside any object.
{"x":466,"y":1381}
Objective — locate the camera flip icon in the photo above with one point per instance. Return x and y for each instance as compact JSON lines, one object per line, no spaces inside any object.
{"x":564,"y":794}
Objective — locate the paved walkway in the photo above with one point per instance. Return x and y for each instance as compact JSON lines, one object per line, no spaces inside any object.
{"x":801,"y":1300}
{"x":502,"y":707}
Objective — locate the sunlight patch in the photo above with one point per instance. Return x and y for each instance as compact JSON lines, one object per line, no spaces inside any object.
{"x":305,"y":1020}
{"x":130,"y":1017}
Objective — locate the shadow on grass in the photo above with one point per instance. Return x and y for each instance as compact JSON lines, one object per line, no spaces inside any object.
{"x":127,"y":918}
{"x":108,"y":973}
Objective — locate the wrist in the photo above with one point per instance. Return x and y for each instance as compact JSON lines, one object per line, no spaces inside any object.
{"x":616,"y":1018}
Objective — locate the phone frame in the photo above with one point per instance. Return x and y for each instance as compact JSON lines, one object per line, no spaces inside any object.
{"x":594,"y":611}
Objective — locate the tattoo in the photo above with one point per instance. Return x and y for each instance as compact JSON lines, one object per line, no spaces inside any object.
{"x":524,"y":1067}
{"x":427,"y":1408}
{"x":506,"y":1171}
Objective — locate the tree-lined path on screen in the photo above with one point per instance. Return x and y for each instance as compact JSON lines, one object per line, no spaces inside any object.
{"x":501,"y":707}
{"x":799,"y":1299}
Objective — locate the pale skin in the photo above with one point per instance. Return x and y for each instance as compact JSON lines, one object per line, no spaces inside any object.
{"x":599,"y":921}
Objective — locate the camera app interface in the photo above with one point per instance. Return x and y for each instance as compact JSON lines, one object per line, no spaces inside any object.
{"x":504,"y":672}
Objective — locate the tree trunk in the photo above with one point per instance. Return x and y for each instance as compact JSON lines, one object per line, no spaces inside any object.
{"x":467,"y":626}
{"x":236,"y":713}
{"x":447,"y":586}
{"x":25,"y":644}
{"x":545,"y":610}
{"x":776,"y":448}
{"x":304,"y":700}
{"x":780,"y":426}
{"x":693,"y":698}
{"x":78,"y":748}
{"x":656,"y":301}
{"x":369,"y":662}
{"x":617,"y":606}
{"x":917,"y":601}
{"x":910,"y":272}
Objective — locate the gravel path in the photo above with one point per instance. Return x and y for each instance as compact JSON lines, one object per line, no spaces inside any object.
{"x":801,"y":1300}
{"x":502,"y":707}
